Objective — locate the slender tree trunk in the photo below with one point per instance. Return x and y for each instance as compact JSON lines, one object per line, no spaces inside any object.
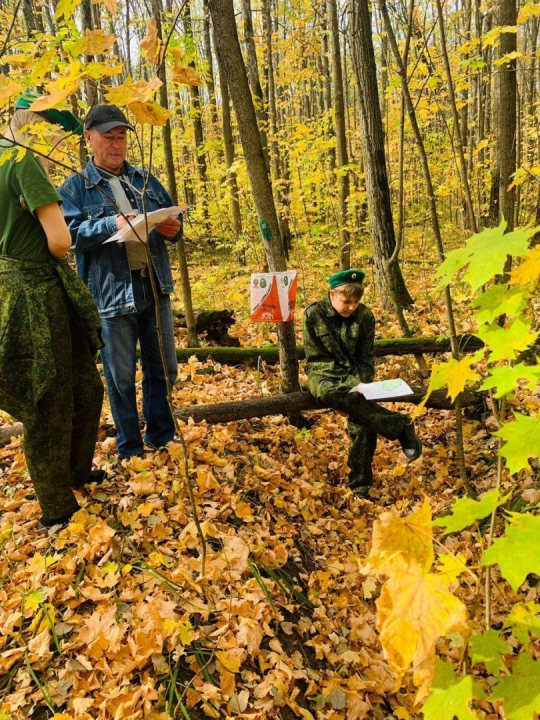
{"x":506,"y":121}
{"x":192,"y":337}
{"x":341,"y":138}
{"x":228,"y":46}
{"x":274,"y":145}
{"x":210,"y":82}
{"x":389,"y":277}
{"x":254,"y":79}
{"x":228,"y":142}
{"x":327,"y":81}
{"x":457,"y":127}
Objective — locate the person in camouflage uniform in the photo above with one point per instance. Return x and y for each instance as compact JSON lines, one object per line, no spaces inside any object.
{"x":49,"y":329}
{"x":339,"y":342}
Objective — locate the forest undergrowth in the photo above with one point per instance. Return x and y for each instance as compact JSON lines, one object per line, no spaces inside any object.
{"x":111,"y":617}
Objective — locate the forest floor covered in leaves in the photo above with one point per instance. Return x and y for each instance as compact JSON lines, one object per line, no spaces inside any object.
{"x":111,"y":617}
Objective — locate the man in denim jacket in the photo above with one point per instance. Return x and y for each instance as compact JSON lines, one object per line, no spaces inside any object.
{"x":118,"y":276}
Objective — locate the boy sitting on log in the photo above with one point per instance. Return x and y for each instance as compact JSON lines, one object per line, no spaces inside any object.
{"x":339,"y":340}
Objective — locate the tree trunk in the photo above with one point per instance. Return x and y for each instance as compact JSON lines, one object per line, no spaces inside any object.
{"x":389,"y":277}
{"x":383,"y":348}
{"x":254,"y":79}
{"x":210,"y":82}
{"x":341,"y":138}
{"x":228,"y":142}
{"x":506,"y":120}
{"x":228,"y":46}
{"x":171,"y":179}
{"x":300,"y":402}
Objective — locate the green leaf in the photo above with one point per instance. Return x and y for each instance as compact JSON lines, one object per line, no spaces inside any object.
{"x":524,"y":621}
{"x":520,"y":690}
{"x":499,"y":300}
{"x":522,"y":441}
{"x":65,"y":8}
{"x":33,"y":600}
{"x":518,"y":553}
{"x":450,"y":696}
{"x":486,"y":254}
{"x":466,"y":511}
{"x":504,"y":343}
{"x":488,"y":648}
{"x":506,"y":378}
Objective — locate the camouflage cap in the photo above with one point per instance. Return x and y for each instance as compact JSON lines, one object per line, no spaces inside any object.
{"x":345,"y":277}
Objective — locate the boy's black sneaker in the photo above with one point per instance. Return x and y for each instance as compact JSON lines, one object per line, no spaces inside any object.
{"x":410,"y":442}
{"x":95,"y":477}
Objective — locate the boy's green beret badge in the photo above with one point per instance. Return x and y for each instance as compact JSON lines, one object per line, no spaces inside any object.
{"x":345,"y":277}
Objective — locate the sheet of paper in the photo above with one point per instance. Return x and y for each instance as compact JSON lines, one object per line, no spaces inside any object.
{"x":383,"y":389}
{"x":139,"y":225}
{"x":273,"y":296}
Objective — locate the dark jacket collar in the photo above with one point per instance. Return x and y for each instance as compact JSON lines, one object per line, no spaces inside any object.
{"x":94,"y":177}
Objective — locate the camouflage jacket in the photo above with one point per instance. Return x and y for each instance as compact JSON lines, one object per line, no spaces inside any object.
{"x":26,"y":360}
{"x":340,"y":352}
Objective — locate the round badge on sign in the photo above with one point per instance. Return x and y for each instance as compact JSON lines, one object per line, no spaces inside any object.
{"x":263,"y":283}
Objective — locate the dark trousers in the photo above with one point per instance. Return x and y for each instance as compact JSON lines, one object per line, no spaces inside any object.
{"x":120,"y":335}
{"x":367,"y":419}
{"x":59,"y":446}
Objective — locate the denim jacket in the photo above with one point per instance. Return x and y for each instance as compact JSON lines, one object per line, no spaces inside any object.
{"x":91,"y":218}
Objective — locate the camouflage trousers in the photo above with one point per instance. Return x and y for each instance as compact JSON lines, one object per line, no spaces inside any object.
{"x":367,"y":420}
{"x":59,"y":446}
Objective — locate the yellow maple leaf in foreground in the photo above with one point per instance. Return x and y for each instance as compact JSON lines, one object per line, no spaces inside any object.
{"x":414,"y":610}
{"x":394,"y":537}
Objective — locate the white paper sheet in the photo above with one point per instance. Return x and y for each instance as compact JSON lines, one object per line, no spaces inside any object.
{"x":154,"y":218}
{"x":383,"y":389}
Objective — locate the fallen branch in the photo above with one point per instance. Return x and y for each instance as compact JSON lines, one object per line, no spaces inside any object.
{"x":294,"y":403}
{"x":270,"y":353}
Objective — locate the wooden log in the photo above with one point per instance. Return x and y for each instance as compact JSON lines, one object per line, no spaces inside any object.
{"x":6,"y":433}
{"x":301,"y":402}
{"x":270,"y":353}
{"x":215,"y":323}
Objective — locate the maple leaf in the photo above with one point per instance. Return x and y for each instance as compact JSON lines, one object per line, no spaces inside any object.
{"x":522,"y":441}
{"x":518,"y":553}
{"x":457,"y":374}
{"x":524,"y":620}
{"x":486,"y":254}
{"x":500,"y":300}
{"x":451,"y":566}
{"x":230,"y":660}
{"x":414,"y":610}
{"x":488,"y":648}
{"x":151,"y":43}
{"x":450,"y":695}
{"x":97,"y":42}
{"x":466,"y":511}
{"x":130,"y":92}
{"x":528,"y":273}
{"x":520,"y":690}
{"x":65,"y":8}
{"x":8,"y":89}
{"x":149,"y":112}
{"x":506,"y":378}
{"x":186,"y":75}
{"x":505,"y":342}
{"x":410,"y":537}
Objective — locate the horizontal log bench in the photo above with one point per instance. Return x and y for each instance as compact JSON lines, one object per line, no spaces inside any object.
{"x":299,"y":402}
{"x":270,"y":353}
{"x":292,"y":403}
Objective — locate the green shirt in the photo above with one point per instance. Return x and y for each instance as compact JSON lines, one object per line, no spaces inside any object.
{"x":24,"y":186}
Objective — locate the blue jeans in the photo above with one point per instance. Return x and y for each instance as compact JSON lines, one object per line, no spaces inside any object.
{"x":120,"y":335}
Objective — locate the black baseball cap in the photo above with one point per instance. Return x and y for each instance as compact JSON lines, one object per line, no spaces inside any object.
{"x":106,"y":117}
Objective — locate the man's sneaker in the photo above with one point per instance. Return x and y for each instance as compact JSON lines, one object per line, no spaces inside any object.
{"x":410,"y":442}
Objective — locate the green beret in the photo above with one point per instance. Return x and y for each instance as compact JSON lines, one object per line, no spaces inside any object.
{"x":64,"y":118}
{"x":345,"y":277}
